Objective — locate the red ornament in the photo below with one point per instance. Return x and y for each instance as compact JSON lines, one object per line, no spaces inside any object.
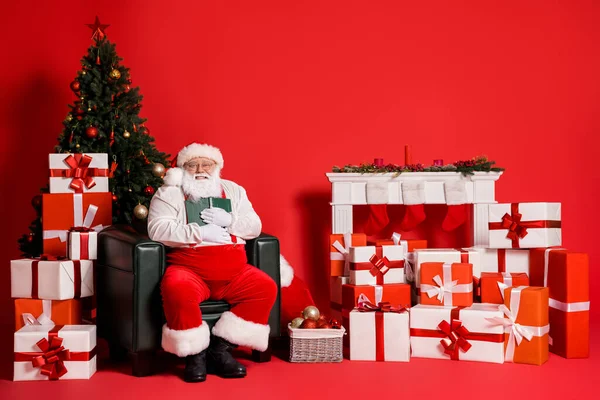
{"x":91,"y":132}
{"x":335,"y":324}
{"x":115,"y":198}
{"x":308,"y":324}
{"x":30,"y":238}
{"x":98,"y":29}
{"x":111,"y":138}
{"x":75,"y":86}
{"x":148,"y":190}
{"x":127,"y":88}
{"x":98,"y":59}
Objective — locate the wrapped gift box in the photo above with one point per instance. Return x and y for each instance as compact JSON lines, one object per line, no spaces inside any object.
{"x":524,"y":225}
{"x":67,"y":352}
{"x":566,"y":273}
{"x":379,"y":334}
{"x":371,"y":265}
{"x":79,"y":173}
{"x":456,"y":333}
{"x":420,"y":256}
{"x":339,"y":248}
{"x":47,"y":312}
{"x":493,"y":284}
{"x":446,"y":284}
{"x":503,"y":260}
{"x":61,"y":212}
{"x":51,"y":279}
{"x":82,"y":245}
{"x":526,"y":312}
{"x":393,"y":293}
{"x":335,"y":295}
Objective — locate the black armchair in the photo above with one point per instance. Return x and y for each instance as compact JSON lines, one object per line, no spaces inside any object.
{"x":130,"y":315}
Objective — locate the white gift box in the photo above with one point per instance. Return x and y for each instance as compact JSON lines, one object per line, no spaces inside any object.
{"x":532,"y":225}
{"x":83,"y":175}
{"x":51,"y":280}
{"x":450,"y":256}
{"x":79,"y":340}
{"x":503,"y":260}
{"x":83,"y":245}
{"x":360,"y":265}
{"x":364,"y":344}
{"x":485,"y":339}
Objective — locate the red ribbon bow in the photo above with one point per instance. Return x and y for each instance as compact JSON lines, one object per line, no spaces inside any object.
{"x":381,"y":265}
{"x":456,"y":338}
{"x":516,"y":230}
{"x":51,"y":361}
{"x":384,"y":306}
{"x":80,"y":171}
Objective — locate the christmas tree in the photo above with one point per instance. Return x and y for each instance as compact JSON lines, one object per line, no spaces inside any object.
{"x":105,"y":118}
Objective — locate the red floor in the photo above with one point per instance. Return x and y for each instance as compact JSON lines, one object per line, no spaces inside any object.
{"x":429,"y":379}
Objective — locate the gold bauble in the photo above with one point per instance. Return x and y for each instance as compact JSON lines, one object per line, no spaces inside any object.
{"x":77,"y":146}
{"x":126,"y":134}
{"x":296,"y":322}
{"x":89,"y":108}
{"x":158,"y":170}
{"x":115,"y":74}
{"x":311,"y":312}
{"x":140,"y":211}
{"x":82,"y":98}
{"x":69,"y":118}
{"x":83,"y":72}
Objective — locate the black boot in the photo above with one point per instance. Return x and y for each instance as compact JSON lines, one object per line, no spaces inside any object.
{"x":221,"y":362}
{"x":195,"y":368}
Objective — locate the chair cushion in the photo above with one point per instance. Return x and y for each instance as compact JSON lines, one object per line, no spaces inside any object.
{"x":214,"y":307}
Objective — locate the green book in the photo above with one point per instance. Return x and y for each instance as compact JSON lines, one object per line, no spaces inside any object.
{"x":193,"y":209}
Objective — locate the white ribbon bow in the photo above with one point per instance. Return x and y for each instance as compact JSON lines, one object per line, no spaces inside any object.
{"x":445,"y":287}
{"x":508,"y":282}
{"x":86,"y":222}
{"x":45,"y":317}
{"x":516,"y":331}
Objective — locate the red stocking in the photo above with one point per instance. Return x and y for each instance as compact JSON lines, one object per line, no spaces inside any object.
{"x":378,"y":219}
{"x":455,"y":217}
{"x":413,"y":216}
{"x":294,"y":298}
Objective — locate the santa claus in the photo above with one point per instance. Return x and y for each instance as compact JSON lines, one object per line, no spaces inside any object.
{"x":209,"y":261}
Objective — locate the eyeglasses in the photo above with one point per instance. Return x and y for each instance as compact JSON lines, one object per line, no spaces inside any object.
{"x":193,"y":166}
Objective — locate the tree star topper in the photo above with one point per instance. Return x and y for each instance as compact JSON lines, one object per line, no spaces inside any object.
{"x":98,"y":29}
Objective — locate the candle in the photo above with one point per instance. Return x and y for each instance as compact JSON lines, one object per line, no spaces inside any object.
{"x":407,"y":155}
{"x":378,"y":162}
{"x":438,"y":163}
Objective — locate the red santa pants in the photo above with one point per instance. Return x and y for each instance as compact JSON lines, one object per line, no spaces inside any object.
{"x":219,"y":273}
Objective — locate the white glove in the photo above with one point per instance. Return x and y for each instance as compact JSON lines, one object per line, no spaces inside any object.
{"x":216,"y":216}
{"x":215,"y":234}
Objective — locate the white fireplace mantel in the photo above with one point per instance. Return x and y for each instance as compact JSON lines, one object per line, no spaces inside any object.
{"x":349,"y":189}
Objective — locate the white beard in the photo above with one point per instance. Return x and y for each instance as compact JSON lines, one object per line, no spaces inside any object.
{"x":195,"y":189}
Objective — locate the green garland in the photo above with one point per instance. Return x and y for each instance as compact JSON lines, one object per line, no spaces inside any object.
{"x":468,"y":167}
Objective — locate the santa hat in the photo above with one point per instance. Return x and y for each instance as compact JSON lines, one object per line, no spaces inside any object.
{"x":174,"y":174}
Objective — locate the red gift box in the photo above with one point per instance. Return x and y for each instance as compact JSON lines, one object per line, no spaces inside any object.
{"x":63,"y":211}
{"x":492,"y":285}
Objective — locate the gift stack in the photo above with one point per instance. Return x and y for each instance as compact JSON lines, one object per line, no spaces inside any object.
{"x":514,"y":295}
{"x":50,"y":340}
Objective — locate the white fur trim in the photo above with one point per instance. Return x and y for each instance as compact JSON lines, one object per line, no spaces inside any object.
{"x":199,"y":150}
{"x":286,"y":272}
{"x":413,"y":193}
{"x":456,"y":192}
{"x":241,"y":332}
{"x":173,"y":177}
{"x":185,"y":342}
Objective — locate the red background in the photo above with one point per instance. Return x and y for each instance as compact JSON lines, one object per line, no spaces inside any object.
{"x":289,"y":89}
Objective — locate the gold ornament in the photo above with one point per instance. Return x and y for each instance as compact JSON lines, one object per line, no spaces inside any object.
{"x":82,"y":98}
{"x":83,"y":73}
{"x":140,"y":211}
{"x":115,"y":74}
{"x":126,"y":134}
{"x":89,"y":108}
{"x":296,"y":322}
{"x":77,"y":146}
{"x":158,"y":170}
{"x":69,"y":118}
{"x":311,"y":312}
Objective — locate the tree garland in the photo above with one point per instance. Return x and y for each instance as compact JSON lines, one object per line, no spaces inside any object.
{"x":465,"y":167}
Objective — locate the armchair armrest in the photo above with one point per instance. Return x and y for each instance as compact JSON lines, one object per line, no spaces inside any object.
{"x":263,"y":253}
{"x":129,"y":269}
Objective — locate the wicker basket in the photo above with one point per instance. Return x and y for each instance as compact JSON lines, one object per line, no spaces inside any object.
{"x":316,"y":345}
